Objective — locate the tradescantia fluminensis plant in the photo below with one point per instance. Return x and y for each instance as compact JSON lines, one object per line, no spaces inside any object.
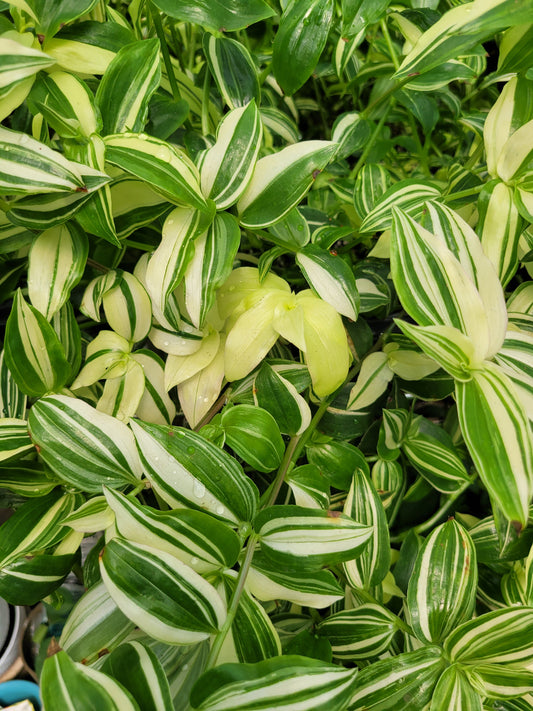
{"x":266,"y":286}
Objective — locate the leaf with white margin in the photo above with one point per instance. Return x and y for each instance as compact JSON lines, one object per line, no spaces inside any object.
{"x":372,"y":381}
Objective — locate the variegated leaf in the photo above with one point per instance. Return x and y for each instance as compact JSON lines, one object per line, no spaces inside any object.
{"x":515,"y":358}
{"x":84,"y":448}
{"x":128,"y":308}
{"x":233,"y":70}
{"x":20,"y":61}
{"x":388,"y":477}
{"x":155,"y":405}
{"x":14,"y":439}
{"x":307,"y":539}
{"x":175,"y":604}
{"x":122,"y":395}
{"x":309,"y":487}
{"x":27,"y":479}
{"x":372,"y":381}
{"x":454,"y":692}
{"x":278,"y":396}
{"x":186,"y":469}
{"x":254,"y":436}
{"x":409,"y":195}
{"x":498,"y":682}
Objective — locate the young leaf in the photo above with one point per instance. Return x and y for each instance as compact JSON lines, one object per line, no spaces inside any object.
{"x":277,"y":395}
{"x":454,"y":692}
{"x":127,"y":308}
{"x":233,"y":69}
{"x":289,"y":682}
{"x":33,"y":352}
{"x":84,"y":448}
{"x":51,"y":14}
{"x":299,"y":42}
{"x":160,"y":594}
{"x":185,"y":468}
{"x":308,"y":539}
{"x":254,"y":436}
{"x":127,"y":85}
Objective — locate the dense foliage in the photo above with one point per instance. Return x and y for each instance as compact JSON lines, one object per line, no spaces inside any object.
{"x":265,"y":280}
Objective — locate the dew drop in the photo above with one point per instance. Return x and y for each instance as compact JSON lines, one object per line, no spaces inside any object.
{"x":206,"y":399}
{"x":165,"y":343}
{"x":191,"y":450}
{"x":220,"y":510}
{"x":198,"y":489}
{"x":194,"y":561}
{"x":143,"y":136}
{"x":156,"y":459}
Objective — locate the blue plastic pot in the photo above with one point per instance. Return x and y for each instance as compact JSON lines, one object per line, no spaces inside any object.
{"x":18,"y":690}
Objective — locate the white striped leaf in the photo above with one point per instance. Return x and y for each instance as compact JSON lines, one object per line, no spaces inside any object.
{"x":14,"y":439}
{"x":291,"y":231}
{"x":461,"y":239}
{"x":516,"y":154}
{"x":454,"y":692}
{"x":495,"y":681}
{"x":331,"y":278}
{"x":178,"y":369}
{"x":183,"y":342}
{"x":84,"y":448}
{"x":94,"y":626}
{"x":19,"y":62}
{"x":28,"y":166}
{"x":515,"y":358}
{"x":409,"y":195}
{"x":160,"y":594}
{"x":430,"y":451}
{"x":496,"y":430}
{"x":498,"y":637}
{"x":127,"y":307}
{"x":500,"y":226}
{"x":56,"y":264}
{"x":460,"y":29}
{"x":393,"y":430}
{"x":26,"y":479}
{"x":122,"y":395}
{"x":233,"y":70}
{"x":433,"y":286}
{"x":187,"y":470}
{"x":106,"y":356}
{"x":166,"y":267}
{"x":66,"y":103}
{"x":279,"y":123}
{"x":308,"y":539}
{"x":163,"y":166}
{"x":254,"y":435}
{"x":227,"y":167}
{"x":288,"y":682}
{"x":277,"y":395}
{"x":280,"y":181}
{"x":33,"y":352}
{"x":405,"y":681}
{"x":361,"y":633}
{"x":252,"y":636}
{"x":199,"y":393}
{"x":71,"y":685}
{"x":372,"y":381}
{"x":211,"y":265}
{"x":134,"y":205}
{"x":92,"y":516}
{"x":351,"y":131}
{"x":155,"y":405}
{"x":217,"y":16}
{"x":363,"y":504}
{"x":38,"y":212}
{"x":389,"y":481}
{"x":372,"y":181}
{"x":199,"y":540}
{"x":12,"y":237}
{"x":127,"y":85}
{"x":299,"y":42}
{"x":138,"y":669}
{"x":268,"y":581}
{"x":309,"y":487}
{"x":35,"y":526}
{"x":27,"y":581}
{"x":442,"y":588}
{"x":91,"y":302}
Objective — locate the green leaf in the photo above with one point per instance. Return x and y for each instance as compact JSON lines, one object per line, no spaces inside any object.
{"x":389,"y":480}
{"x":75,"y":686}
{"x":233,"y":69}
{"x":270,"y":581}
{"x":337,"y":461}
{"x":331,"y":278}
{"x":84,"y":448}
{"x":127,"y":308}
{"x":289,"y":682}
{"x":199,"y":540}
{"x":211,"y":265}
{"x":351,"y":132}
{"x":254,"y":436}
{"x":357,"y":14}
{"x":26,"y":479}
{"x":227,"y":167}
{"x":33,"y":352}
{"x":515,"y":50}
{"x":291,"y":231}
{"x":371,"y":183}
{"x":19,"y":61}
{"x":281,"y":180}
{"x":274,"y":393}
{"x":155,"y":405}
{"x":442,"y":589}
{"x":216,"y":15}
{"x":497,"y":637}
{"x":515,"y":360}
{"x":299,"y":42}
{"x":409,"y":195}
{"x":160,"y":164}
{"x":498,"y":682}
{"x":496,"y":431}
{"x":185,"y":468}
{"x":160,"y":594}
{"x":56,"y":264}
{"x":27,"y":581}
{"x":138,"y":669}
{"x":308,"y":539}
{"x":405,"y":681}
{"x":361,"y":633}
{"x":66,"y":103}
{"x":94,"y":626}
{"x":14,"y":439}
{"x":309,"y":487}
{"x":372,"y":381}
{"x":461,"y":28}
{"x":51,"y":14}
{"x":127,"y":85}
{"x":454,"y":692}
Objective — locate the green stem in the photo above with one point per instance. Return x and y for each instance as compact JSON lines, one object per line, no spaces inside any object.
{"x":96,"y":265}
{"x":205,"y":102}
{"x":138,"y":245}
{"x":373,"y":138}
{"x":463,"y":193}
{"x":386,"y":95}
{"x":156,"y":18}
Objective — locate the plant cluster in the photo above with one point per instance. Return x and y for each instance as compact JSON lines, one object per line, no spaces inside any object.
{"x":266,"y":285}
